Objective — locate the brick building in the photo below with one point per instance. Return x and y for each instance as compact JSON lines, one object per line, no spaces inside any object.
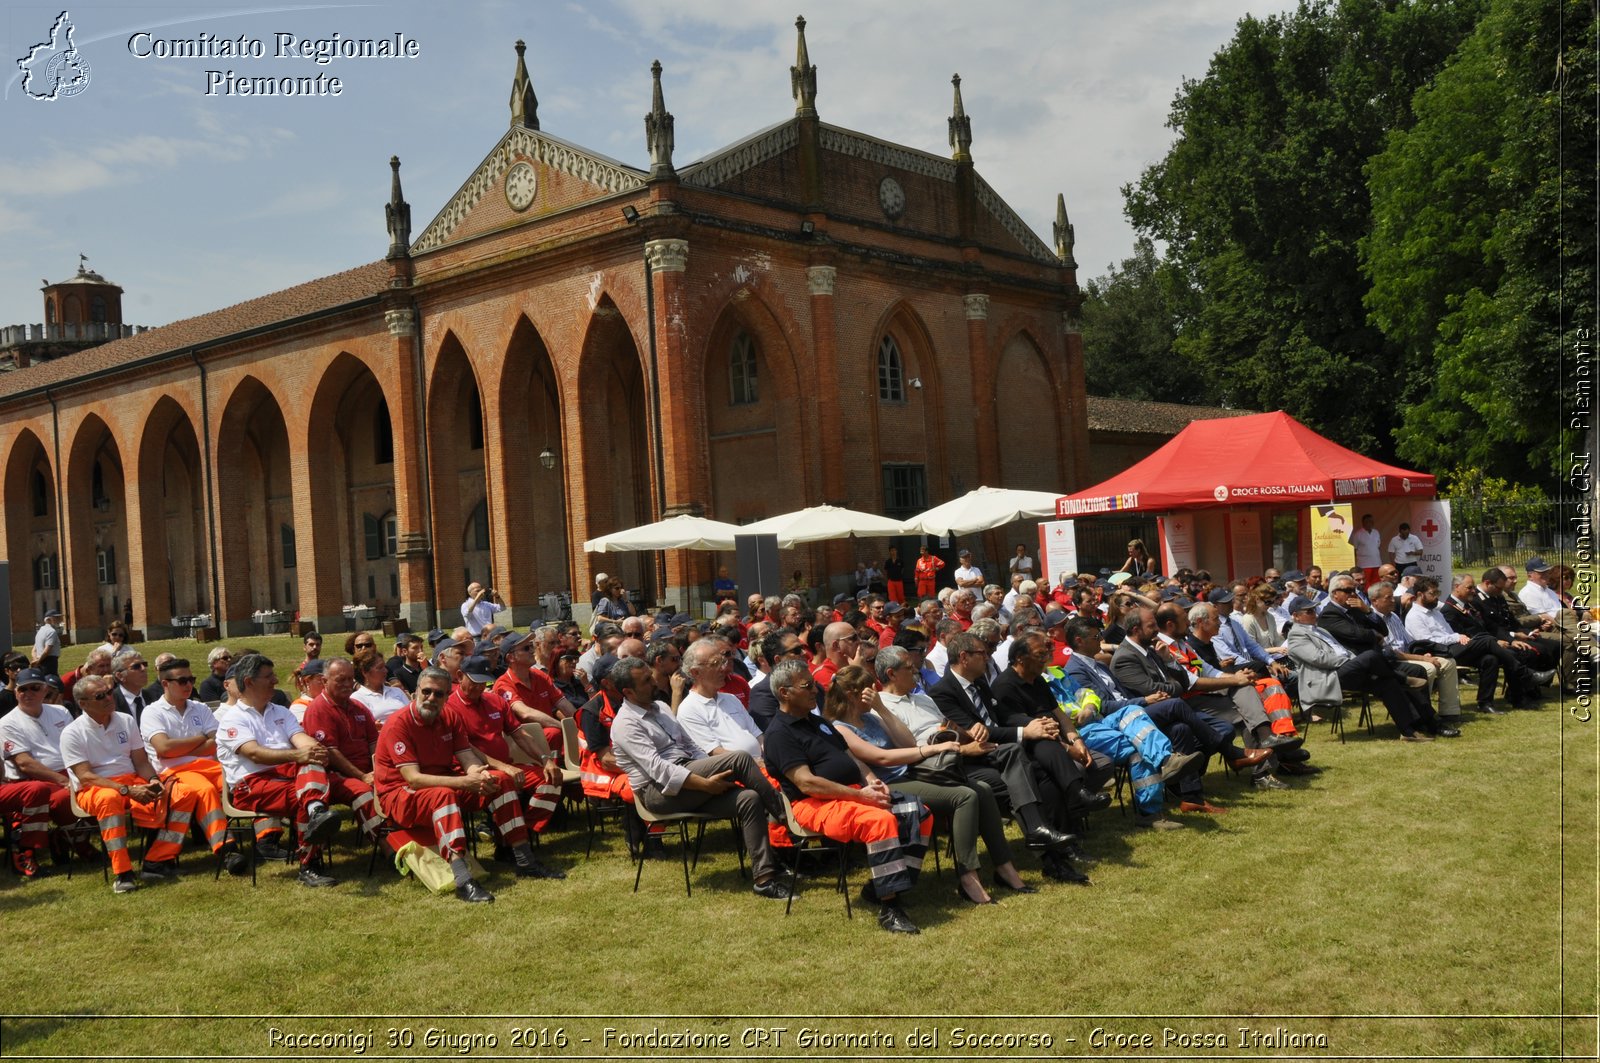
{"x":570,"y":347}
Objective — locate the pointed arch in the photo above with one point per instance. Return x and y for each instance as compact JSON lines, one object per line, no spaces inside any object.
{"x":1030,"y":447}
{"x":174,"y":550}
{"x":457,"y":469}
{"x":256,"y":504}
{"x":31,"y":537}
{"x":616,"y":478}
{"x":908,"y":434}
{"x":96,"y":528}
{"x":528,"y":407}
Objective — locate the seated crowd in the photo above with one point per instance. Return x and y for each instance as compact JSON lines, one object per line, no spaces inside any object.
{"x":868,"y":721}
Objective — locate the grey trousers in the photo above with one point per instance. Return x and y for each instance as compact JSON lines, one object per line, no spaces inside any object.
{"x":971,"y":813}
{"x":749,"y":805}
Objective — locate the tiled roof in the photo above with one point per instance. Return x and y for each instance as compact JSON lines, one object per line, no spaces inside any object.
{"x":326,"y":293}
{"x":1154,"y":418}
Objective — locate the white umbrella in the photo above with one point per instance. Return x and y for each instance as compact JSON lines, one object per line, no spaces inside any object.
{"x":982,"y":509}
{"x":822,"y":522}
{"x":683,"y":532}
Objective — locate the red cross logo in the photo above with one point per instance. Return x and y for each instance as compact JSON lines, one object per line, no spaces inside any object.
{"x":1429,"y":528}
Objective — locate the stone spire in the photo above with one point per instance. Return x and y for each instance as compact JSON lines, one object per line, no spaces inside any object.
{"x":960,"y":127}
{"x":524,"y":104}
{"x":1064,"y":233}
{"x":398,"y":213}
{"x":803,"y":76}
{"x":658,"y":130}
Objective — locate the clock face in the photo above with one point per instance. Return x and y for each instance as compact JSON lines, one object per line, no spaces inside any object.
{"x":891,"y":197}
{"x":522,"y":182}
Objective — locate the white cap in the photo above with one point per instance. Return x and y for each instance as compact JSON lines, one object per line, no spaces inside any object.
{"x":600,"y":579}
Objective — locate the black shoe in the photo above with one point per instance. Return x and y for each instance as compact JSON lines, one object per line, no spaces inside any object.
{"x":1448,"y":732}
{"x":1024,"y":888}
{"x":269,"y":851}
{"x":535,"y":869}
{"x":159,"y":870}
{"x":1540,"y":679}
{"x":1490,"y":708}
{"x":473,"y":893}
{"x":1281,"y":742}
{"x":322,"y":826}
{"x":1088,"y":801}
{"x":1047,"y":838}
{"x":235,"y":864}
{"x":772,"y":889}
{"x":1062,"y":870}
{"x":894,"y":919}
{"x":124,"y":883}
{"x":961,"y":895}
{"x":1292,"y":756}
{"x":309,"y":876}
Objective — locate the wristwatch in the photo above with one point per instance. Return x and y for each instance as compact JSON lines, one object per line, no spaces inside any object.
{"x":123,"y":790}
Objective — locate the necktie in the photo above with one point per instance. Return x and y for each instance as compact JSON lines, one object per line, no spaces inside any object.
{"x":978,"y":700}
{"x":137,"y":706}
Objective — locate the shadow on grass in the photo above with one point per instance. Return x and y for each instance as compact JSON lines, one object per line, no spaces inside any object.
{"x":19,"y":1033}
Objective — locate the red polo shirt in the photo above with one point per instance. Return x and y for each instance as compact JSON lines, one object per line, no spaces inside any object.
{"x":351,"y":730}
{"x":406,"y":740}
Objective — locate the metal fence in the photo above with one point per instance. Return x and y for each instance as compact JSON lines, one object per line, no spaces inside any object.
{"x":1488,"y":534}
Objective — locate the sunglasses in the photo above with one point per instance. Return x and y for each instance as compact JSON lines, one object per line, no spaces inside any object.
{"x":187,"y":680}
{"x":96,"y":697}
{"x":138,"y":666}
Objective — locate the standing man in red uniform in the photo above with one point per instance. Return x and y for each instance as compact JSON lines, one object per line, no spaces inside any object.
{"x":430,"y":778}
{"x":927,"y":572}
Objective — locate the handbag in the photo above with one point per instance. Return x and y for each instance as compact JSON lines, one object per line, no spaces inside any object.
{"x":940,"y":769}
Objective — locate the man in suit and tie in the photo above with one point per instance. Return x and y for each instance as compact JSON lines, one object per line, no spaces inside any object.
{"x":994,"y":753}
{"x":1328,"y":668}
{"x":129,"y":669}
{"x":1349,"y":619}
{"x":1021,"y":696}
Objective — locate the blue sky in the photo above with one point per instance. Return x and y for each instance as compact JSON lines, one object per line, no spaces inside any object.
{"x":194,"y":202}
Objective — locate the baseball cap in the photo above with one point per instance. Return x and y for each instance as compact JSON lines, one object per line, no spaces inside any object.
{"x":1294,"y":575}
{"x":315,"y":667}
{"x":840,"y":599}
{"x":436,"y":636}
{"x":31,"y":677}
{"x":1054,"y":618}
{"x":48,"y":613}
{"x":476,"y":668}
{"x":893,"y":609}
{"x":1537,"y":564}
{"x":1220,"y":596}
{"x":1299,"y":603}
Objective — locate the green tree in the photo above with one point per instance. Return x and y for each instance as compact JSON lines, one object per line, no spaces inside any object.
{"x":1481,"y":253}
{"x":1130,"y":320}
{"x":1262,"y":202}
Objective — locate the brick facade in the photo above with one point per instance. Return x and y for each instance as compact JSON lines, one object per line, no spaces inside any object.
{"x":376,"y":436}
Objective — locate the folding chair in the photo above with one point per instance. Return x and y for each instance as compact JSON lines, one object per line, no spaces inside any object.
{"x":147,"y":833}
{"x":801,"y":837}
{"x":596,"y":810}
{"x":235,"y":817}
{"x":682,"y":820}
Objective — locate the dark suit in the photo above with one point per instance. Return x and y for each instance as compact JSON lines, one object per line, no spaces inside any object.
{"x":134,"y":704}
{"x":1360,"y":632}
{"x":1152,"y":670}
{"x":1019,"y":702}
{"x":763,"y":704}
{"x":1007,"y":770}
{"x":1498,"y":615}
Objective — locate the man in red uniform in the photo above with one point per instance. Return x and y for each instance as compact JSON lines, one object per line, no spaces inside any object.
{"x":531,"y":694}
{"x":926,"y":571}
{"x":430,"y":778}
{"x":349,"y":730}
{"x":491,"y":727}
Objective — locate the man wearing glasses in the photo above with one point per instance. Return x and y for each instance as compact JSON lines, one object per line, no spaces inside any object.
{"x":114,"y":781}
{"x":713,"y":720}
{"x":180,"y":739}
{"x":841,"y":645}
{"x":272,"y":766}
{"x":777,"y":646}
{"x":129,"y":669}
{"x":35,"y":789}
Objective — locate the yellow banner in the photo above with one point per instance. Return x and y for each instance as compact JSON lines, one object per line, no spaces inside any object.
{"x":1331,"y":526}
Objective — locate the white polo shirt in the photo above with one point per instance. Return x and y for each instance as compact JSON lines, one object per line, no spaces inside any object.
{"x":382,"y":703}
{"x":719,"y":722}
{"x":1407,"y":549}
{"x":107,"y":750}
{"x":1369,"y":547}
{"x":272,"y":728}
{"x":40,"y":739}
{"x":162,"y":717}
{"x":1539,"y":600}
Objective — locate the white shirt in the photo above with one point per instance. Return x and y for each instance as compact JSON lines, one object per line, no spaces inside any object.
{"x":162,"y":717}
{"x":917,"y":711}
{"x":1369,"y":547}
{"x":272,"y":728}
{"x":937,"y":658}
{"x":967,"y":575}
{"x":1541,"y":601}
{"x":39,"y":738}
{"x":1001,"y":657}
{"x":383,"y":703}
{"x":719,"y":722}
{"x":477,"y":617}
{"x":46,"y":642}
{"x":1023,"y":564}
{"x":1406,"y":550}
{"x":1429,"y":625}
{"x":107,"y":750}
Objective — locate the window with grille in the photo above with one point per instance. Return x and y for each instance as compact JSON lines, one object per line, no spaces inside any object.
{"x":105,"y":563}
{"x":891,"y":372}
{"x":905,"y":490}
{"x":478,"y":528}
{"x":742,"y":371}
{"x":286,"y":537}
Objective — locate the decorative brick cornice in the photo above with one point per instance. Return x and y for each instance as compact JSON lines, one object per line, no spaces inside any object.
{"x":885,"y":154}
{"x":742,"y":156}
{"x":820,"y":279}
{"x":400,"y":322}
{"x":991,"y":201}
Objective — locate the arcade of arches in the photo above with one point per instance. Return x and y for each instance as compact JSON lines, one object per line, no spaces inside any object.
{"x":758,"y":331}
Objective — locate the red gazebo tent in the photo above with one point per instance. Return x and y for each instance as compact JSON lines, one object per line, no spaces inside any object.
{"x":1262,"y":461}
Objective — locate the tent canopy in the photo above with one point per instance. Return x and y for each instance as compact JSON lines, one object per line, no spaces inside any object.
{"x":1264,"y":459}
{"x":982,"y":508}
{"x":675,"y":533}
{"x":817,"y":523}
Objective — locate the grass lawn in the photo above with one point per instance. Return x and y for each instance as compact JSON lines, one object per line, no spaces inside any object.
{"x":1445,"y":892}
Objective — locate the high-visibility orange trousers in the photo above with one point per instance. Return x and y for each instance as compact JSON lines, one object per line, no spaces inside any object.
{"x":170,"y":816}
{"x":204,"y":777}
{"x":26,"y":806}
{"x":896,"y":837}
